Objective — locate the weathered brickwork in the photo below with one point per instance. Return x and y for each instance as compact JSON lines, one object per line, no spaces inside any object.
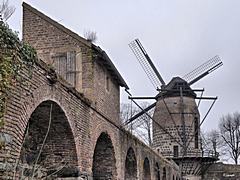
{"x":59,"y":148}
{"x":172,"y":123}
{"x":84,"y":137}
{"x":106,"y":99}
{"x":220,"y":171}
{"x":41,"y":32}
{"x":50,"y":38}
{"x":176,"y":130}
{"x":142,"y":152}
{"x":86,"y":125}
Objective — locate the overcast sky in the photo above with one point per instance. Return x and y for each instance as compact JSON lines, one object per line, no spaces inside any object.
{"x":179,"y":35}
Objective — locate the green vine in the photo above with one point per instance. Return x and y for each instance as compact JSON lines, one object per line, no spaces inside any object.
{"x":14,"y":57}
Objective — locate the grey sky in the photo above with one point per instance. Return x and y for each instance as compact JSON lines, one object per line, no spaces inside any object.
{"x":179,"y":35}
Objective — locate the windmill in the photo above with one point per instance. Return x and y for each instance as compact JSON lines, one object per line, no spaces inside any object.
{"x":176,"y":119}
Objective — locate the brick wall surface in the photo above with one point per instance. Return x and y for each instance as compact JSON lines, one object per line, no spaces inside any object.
{"x":78,"y":120}
{"x":86,"y":123}
{"x":107,"y":100}
{"x":220,"y":171}
{"x":48,"y":39}
{"x":172,"y":123}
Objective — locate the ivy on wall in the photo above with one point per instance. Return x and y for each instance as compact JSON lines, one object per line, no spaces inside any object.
{"x":14,"y":56}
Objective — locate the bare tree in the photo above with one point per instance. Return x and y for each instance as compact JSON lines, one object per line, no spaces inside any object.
{"x":230,"y":132}
{"x":142,"y":126}
{"x":211,"y":142}
{"x":126,"y":112}
{"x":6,"y":10}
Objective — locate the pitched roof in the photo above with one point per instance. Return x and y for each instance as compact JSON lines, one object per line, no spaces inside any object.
{"x":104,"y":57}
{"x":110,"y":66}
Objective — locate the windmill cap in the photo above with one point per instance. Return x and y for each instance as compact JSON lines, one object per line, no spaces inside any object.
{"x":173,"y":89}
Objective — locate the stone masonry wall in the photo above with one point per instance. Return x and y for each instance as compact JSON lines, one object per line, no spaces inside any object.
{"x":86,"y":124}
{"x":161,"y":140}
{"x":24,"y":99}
{"x":49,"y":38}
{"x":86,"y":116}
{"x":220,"y":171}
{"x":107,"y":100}
{"x":142,"y":152}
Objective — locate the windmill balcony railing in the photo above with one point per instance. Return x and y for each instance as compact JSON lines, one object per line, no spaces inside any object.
{"x":199,"y":153}
{"x":210,"y":153}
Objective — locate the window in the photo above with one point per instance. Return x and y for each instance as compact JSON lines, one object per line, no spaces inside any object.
{"x":164,"y":174}
{"x":65,"y":65}
{"x":196,"y":132}
{"x":107,"y":82}
{"x":175,"y":151}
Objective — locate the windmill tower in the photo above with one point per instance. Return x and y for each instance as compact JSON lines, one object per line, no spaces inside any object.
{"x":176,"y":119}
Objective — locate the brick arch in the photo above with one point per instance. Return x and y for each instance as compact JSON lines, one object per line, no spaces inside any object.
{"x":49,"y":143}
{"x":130,"y":165}
{"x":45,"y":93}
{"x":146,"y":169}
{"x":27,"y":102}
{"x":104,"y":161}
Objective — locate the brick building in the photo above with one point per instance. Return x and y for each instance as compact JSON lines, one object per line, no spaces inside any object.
{"x":65,"y":123}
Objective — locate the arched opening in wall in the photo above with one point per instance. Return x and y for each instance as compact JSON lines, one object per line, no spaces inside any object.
{"x":104,"y":162}
{"x":164,"y":174}
{"x":157,"y":172}
{"x":48,"y":149}
{"x":146,"y":170}
{"x":130,"y":165}
{"x":173,"y":177}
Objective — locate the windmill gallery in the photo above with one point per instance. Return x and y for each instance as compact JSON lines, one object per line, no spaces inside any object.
{"x":64,"y":124}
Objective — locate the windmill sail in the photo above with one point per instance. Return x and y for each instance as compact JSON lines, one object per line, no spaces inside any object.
{"x":146,"y":63}
{"x":176,"y":119}
{"x":203,"y":70}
